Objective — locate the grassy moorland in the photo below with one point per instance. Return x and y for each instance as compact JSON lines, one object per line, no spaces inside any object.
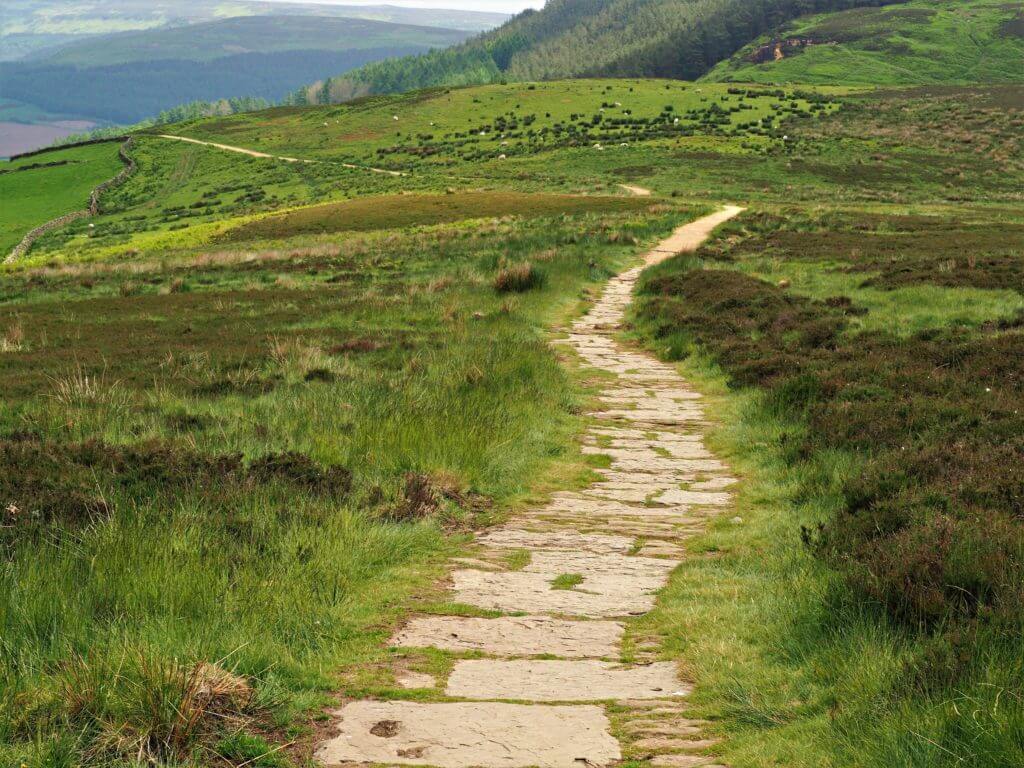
{"x":913,"y":43}
{"x":731,"y":143}
{"x":252,"y":456}
{"x":262,"y":401}
{"x":867,"y":366}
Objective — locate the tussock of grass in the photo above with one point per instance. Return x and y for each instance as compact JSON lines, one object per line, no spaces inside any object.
{"x":567,"y":581}
{"x":518,"y":278}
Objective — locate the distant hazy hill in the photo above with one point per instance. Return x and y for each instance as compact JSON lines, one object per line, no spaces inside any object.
{"x":923,"y":41}
{"x":248,"y":34}
{"x":130,"y":76}
{"x":27,"y":26}
{"x":576,"y":38}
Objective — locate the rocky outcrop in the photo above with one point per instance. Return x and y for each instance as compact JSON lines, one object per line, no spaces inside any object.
{"x":94,"y":205}
{"x":779,"y":49}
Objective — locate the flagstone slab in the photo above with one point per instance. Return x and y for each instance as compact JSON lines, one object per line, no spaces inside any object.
{"x":557,"y":680}
{"x":621,"y":550}
{"x":469,"y":735}
{"x":531,"y":592}
{"x":513,"y":636}
{"x":518,"y":538}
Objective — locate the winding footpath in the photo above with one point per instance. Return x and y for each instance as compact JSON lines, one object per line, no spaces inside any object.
{"x":284,"y":158}
{"x":536,"y":686}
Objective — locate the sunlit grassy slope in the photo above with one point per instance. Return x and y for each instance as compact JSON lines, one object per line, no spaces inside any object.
{"x":445,"y":126}
{"x":919,"y":42}
{"x":61,"y":183}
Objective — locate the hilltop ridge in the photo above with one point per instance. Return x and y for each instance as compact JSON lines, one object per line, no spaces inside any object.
{"x":583,"y":38}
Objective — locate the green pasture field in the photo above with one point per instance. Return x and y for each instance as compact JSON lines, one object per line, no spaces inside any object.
{"x":450,"y":127}
{"x":33,"y":195}
{"x":947,"y":144}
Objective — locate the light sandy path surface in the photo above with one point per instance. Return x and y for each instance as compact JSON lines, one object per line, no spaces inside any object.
{"x":511,"y":708}
{"x":638,"y":191}
{"x":254,"y":153}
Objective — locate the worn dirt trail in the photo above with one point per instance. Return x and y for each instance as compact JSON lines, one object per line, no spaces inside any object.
{"x":254,"y":153}
{"x":537,"y":688}
{"x":635,"y":190}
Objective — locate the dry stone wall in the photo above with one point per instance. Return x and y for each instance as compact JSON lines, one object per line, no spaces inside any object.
{"x":29,"y":239}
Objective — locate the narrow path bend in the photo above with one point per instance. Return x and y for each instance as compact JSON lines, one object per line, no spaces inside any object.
{"x":535,"y":691}
{"x":254,"y":153}
{"x":635,"y":190}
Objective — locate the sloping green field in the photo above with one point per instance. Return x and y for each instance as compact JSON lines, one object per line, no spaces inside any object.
{"x":60,"y":184}
{"x":914,"y":43}
{"x":450,"y":126}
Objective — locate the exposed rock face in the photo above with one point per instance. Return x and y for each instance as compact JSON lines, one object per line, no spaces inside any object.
{"x":780,"y":49}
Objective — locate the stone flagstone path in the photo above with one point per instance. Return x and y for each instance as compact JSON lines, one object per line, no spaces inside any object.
{"x":536,"y":694}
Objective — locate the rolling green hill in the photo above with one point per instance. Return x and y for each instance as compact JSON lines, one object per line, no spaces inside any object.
{"x":581,"y":38}
{"x":29,"y":27}
{"x":249,"y":34}
{"x":128,"y":77}
{"x":920,"y":42}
